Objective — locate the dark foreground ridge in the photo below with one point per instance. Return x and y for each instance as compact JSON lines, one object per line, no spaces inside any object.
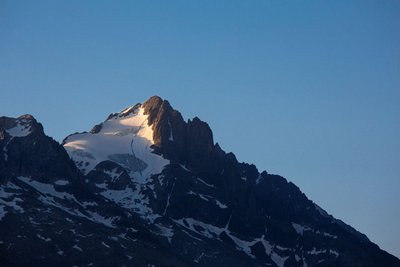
{"x":100,"y":202}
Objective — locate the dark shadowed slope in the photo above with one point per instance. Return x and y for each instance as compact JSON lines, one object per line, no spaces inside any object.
{"x":147,"y":188}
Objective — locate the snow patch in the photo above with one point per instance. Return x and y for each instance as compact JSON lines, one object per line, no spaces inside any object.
{"x":314,"y":251}
{"x":184,"y":167}
{"x":104,"y":244}
{"x":119,"y":135}
{"x":43,"y":238}
{"x":101,"y":186}
{"x":207,"y":184}
{"x":169,"y":197}
{"x":171,"y":137}
{"x":20,"y":130}
{"x":199,"y":258}
{"x":327,"y":234}
{"x":165,"y":231}
{"x":211,"y":231}
{"x":89,"y":204}
{"x":300,"y":229}
{"x":131,"y":199}
{"x":114,"y":174}
{"x":219,"y":204}
{"x":49,"y":197}
{"x":100,"y":219}
{"x":259,"y":179}
{"x":334,"y":252}
{"x":61,"y":182}
{"x":77,"y":248}
{"x":9,"y":200}
{"x":269,"y":250}
{"x":5,"y":150}
{"x":200,"y":228}
{"x":46,"y":189}
{"x":203,"y":197}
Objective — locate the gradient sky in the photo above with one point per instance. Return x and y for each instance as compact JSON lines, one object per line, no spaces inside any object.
{"x":306,"y":89}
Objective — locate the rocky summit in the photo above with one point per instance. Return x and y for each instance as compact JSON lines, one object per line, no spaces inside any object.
{"x":147,"y":188}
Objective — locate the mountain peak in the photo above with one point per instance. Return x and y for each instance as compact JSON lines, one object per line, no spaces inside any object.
{"x":25,"y":149}
{"x":153,"y":101}
{"x":21,"y":126}
{"x":156,"y":126}
{"x":156,"y":190}
{"x":154,"y":105}
{"x":188,"y":143}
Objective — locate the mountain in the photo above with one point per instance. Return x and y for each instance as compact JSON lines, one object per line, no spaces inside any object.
{"x":147,"y":188}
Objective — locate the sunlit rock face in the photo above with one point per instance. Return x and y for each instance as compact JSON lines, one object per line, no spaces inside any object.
{"x":146,"y":188}
{"x":190,"y":143}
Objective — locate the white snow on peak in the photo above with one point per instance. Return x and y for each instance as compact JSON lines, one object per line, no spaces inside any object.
{"x":125,"y":138}
{"x":22,"y":128}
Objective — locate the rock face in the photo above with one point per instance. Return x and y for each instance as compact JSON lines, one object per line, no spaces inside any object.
{"x":27,"y":151}
{"x":147,"y":188}
{"x":189,"y":143}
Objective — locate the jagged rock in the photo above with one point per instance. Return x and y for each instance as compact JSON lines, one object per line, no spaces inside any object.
{"x":28,"y":151}
{"x":155,"y":190}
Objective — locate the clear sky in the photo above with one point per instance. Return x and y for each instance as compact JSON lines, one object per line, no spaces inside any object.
{"x":306,"y":89}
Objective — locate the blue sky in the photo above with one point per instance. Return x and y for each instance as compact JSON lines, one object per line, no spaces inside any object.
{"x":306,"y":89}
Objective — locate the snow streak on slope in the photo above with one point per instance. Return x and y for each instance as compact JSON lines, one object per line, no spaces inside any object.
{"x":124,"y":138}
{"x":22,"y":128}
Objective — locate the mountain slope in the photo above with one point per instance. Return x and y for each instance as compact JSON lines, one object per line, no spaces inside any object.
{"x":154,"y":189}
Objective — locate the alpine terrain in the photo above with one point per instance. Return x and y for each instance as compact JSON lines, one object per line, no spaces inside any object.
{"x":147,"y":188}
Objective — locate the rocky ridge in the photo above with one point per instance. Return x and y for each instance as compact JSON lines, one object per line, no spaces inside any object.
{"x":147,"y":188}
